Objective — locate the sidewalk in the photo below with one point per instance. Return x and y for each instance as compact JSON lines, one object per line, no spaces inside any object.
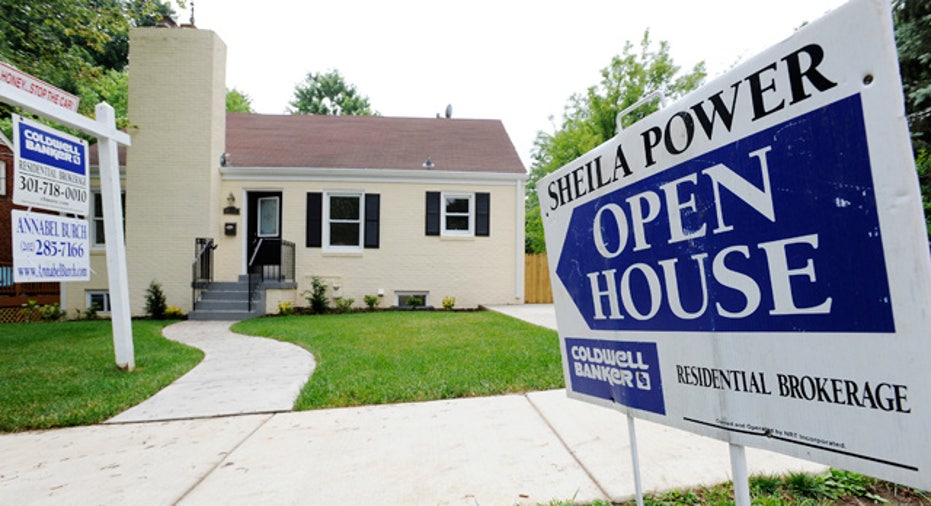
{"x":512,"y":449}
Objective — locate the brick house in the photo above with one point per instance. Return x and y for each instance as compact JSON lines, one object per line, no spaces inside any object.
{"x":391,"y":207}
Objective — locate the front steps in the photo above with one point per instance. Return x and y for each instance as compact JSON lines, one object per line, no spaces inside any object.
{"x":228,"y":300}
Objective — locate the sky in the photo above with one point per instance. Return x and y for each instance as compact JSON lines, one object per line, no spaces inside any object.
{"x":514,"y":60}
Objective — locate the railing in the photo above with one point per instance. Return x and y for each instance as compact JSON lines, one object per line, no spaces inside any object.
{"x":16,"y":294}
{"x":271,"y":260}
{"x":202,"y":268}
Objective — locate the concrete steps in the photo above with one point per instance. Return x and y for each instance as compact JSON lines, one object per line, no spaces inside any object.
{"x":228,"y":300}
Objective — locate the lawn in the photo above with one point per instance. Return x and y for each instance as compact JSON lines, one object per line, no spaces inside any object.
{"x":402,"y":356}
{"x":64,"y":374}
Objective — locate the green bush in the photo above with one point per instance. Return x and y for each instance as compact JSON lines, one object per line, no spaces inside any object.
{"x":316,"y":296}
{"x":343,"y":304}
{"x":174,"y":313}
{"x":415,"y":301}
{"x":285,"y":308}
{"x":155,"y":305}
{"x":449,"y":302}
{"x":51,"y":312}
{"x":371,"y":301}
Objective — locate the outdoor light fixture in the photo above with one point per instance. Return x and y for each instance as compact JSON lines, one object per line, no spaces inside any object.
{"x":231,"y":205}
{"x":428,"y":163}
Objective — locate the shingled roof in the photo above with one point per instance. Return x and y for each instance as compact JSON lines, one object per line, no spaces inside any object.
{"x":369,"y":142}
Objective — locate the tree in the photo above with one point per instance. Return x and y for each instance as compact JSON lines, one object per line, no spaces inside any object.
{"x":329,"y":94}
{"x":237,"y":101}
{"x":589,"y":118}
{"x":913,"y":40}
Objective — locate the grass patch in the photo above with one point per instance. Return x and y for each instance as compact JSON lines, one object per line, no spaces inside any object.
{"x":64,"y":374}
{"x":402,"y":356}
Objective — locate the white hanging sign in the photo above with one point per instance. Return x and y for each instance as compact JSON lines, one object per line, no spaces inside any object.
{"x":50,"y":168}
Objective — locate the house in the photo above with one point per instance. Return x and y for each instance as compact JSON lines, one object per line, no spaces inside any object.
{"x":388,"y":207}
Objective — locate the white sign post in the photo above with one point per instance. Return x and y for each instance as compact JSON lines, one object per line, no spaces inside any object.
{"x":104,"y":128}
{"x":751,"y":263}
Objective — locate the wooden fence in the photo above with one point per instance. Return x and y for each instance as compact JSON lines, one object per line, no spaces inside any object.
{"x":537,"y":289}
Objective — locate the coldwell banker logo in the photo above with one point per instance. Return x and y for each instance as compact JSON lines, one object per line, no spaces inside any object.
{"x":623,"y":372}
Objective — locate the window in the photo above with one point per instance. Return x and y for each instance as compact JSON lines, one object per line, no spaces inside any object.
{"x":99,"y":298}
{"x":458,"y":214}
{"x":345,"y":221}
{"x":268,"y":217}
{"x":98,"y":238}
{"x":2,"y":179}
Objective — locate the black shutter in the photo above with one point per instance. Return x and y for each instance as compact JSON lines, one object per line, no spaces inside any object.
{"x":314,"y":223}
{"x":433,"y":213}
{"x":482,"y":214}
{"x":372,"y":202}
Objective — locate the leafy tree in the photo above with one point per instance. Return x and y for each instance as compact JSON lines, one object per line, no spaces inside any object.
{"x":913,"y":40}
{"x":237,"y":101}
{"x":589,"y":118}
{"x":329,"y":94}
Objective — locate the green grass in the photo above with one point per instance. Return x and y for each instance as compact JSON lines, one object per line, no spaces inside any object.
{"x":64,"y":374}
{"x":402,"y":356}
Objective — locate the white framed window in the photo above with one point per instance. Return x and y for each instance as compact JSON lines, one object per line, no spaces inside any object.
{"x":97,"y":232}
{"x":269,"y":218}
{"x":457,"y":214}
{"x":343,"y":214}
{"x":98,"y":298}
{"x":2,"y":179}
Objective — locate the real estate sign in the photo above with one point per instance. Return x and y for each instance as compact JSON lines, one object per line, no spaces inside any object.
{"x":751,"y":262}
{"x":49,"y":247}
{"x":50,"y":168}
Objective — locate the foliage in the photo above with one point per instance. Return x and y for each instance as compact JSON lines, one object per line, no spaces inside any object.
{"x":89,"y":313}
{"x":64,"y":374}
{"x":285,"y":308}
{"x":343,"y":304}
{"x":155,"y":305}
{"x":237,"y":101}
{"x":402,"y":356}
{"x":589,"y":119}
{"x":30,"y":310}
{"x":80,"y":46}
{"x":371,"y":301}
{"x":316,"y":296}
{"x":415,"y":301}
{"x":52,"y":312}
{"x":449,"y":302}
{"x":174,"y":313}
{"x":913,"y":41}
{"x":328,"y":94}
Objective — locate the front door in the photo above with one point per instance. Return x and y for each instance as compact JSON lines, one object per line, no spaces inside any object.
{"x":263,"y":230}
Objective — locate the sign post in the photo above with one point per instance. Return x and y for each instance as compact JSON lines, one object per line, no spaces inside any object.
{"x":751,"y":263}
{"x":32,"y":98}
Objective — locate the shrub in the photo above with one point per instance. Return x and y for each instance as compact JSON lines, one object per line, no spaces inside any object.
{"x":449,"y":302}
{"x":415,"y":301}
{"x":285,"y":308}
{"x":371,"y":301}
{"x":51,"y":312}
{"x":316,"y":296}
{"x":343,"y":304}
{"x":89,"y":313}
{"x":30,"y":310}
{"x":155,"y":301}
{"x":174,"y":313}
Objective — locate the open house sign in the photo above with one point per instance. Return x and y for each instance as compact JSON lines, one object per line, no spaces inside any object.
{"x":751,"y":263}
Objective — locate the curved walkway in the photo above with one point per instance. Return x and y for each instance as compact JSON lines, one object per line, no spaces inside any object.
{"x":239,"y":375}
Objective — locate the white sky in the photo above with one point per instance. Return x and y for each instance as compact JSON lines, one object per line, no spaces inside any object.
{"x":514,"y":60}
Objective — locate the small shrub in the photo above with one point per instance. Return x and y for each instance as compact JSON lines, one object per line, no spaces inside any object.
{"x":174,"y":313}
{"x":155,"y":305}
{"x":52,"y":312}
{"x":415,"y":301}
{"x":285,"y":308}
{"x":316,"y":296}
{"x":89,"y":313}
{"x":371,"y":301}
{"x":30,"y":311}
{"x":449,"y":302}
{"x":343,"y":304}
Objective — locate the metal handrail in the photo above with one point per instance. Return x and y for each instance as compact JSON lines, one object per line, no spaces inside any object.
{"x":202,"y":267}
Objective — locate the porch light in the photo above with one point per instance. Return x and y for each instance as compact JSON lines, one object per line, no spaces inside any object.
{"x":428,"y":163}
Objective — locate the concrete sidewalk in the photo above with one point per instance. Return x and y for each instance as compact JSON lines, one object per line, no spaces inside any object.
{"x":512,"y":449}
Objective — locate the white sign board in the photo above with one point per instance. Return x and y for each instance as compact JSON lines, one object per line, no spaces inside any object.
{"x":50,"y":168}
{"x":49,"y":247}
{"x":11,"y":76}
{"x":751,"y":262}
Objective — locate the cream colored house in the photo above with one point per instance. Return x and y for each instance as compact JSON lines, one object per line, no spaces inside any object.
{"x":380,"y":206}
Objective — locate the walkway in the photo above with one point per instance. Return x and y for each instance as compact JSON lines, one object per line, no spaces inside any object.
{"x":239,"y":374}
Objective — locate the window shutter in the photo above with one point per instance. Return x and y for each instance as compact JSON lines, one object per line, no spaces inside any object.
{"x":433,"y":213}
{"x":314,"y":223}
{"x":372,"y":202}
{"x":482,"y":214}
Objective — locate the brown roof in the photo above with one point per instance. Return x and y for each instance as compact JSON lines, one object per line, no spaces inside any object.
{"x":369,"y":142}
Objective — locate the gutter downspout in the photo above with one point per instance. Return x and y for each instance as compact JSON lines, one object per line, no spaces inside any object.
{"x":519,"y":239}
